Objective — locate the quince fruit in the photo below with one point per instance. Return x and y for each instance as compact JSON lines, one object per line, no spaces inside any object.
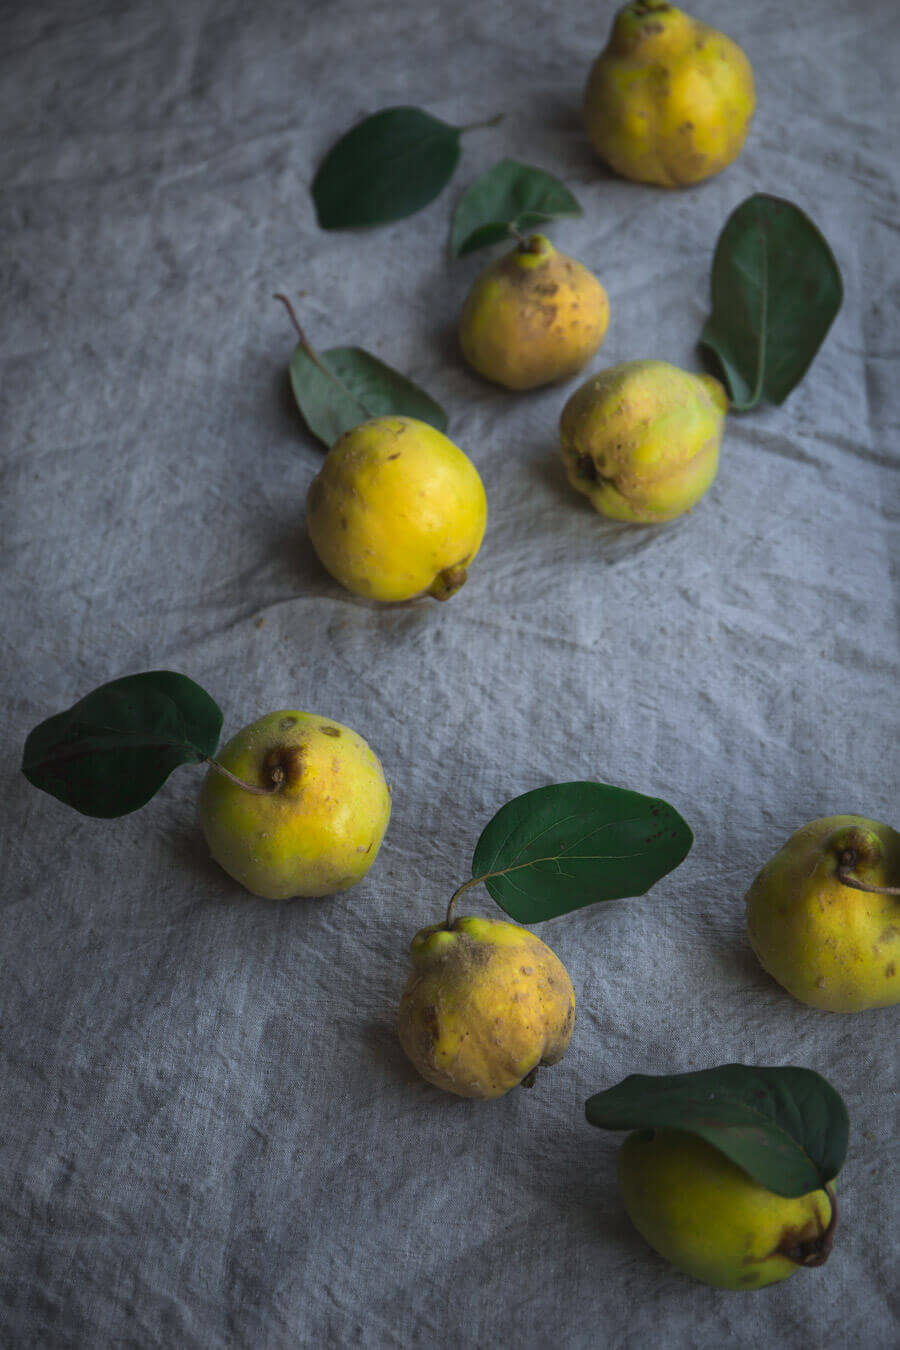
{"x":669,"y":100}
{"x":641,"y":439}
{"x":486,"y":1005}
{"x":533,"y":317}
{"x":829,"y":942}
{"x":316,"y":821}
{"x":703,"y":1213}
{"x":396,"y":510}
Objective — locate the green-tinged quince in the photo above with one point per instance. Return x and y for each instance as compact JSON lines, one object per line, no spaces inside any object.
{"x":641,"y":439}
{"x":712,"y":1220}
{"x":831,"y":943}
{"x":533,"y":317}
{"x":669,"y":100}
{"x":487,"y":1004}
{"x":315,"y":825}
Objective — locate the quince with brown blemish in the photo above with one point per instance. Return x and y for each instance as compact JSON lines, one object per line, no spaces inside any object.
{"x":533,"y":317}
{"x":316,"y":811}
{"x":486,"y":1006}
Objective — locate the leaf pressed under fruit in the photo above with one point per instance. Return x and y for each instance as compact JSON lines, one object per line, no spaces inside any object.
{"x":776,"y":289}
{"x":387,"y":167}
{"x":509,"y":197}
{"x":561,"y":847}
{"x":113,"y":750}
{"x":786,"y":1127}
{"x":358,"y":387}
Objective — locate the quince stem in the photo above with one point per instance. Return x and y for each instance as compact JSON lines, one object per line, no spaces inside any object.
{"x":477,"y":126}
{"x":846,"y":863}
{"x":311,"y":353}
{"x":277,"y":779}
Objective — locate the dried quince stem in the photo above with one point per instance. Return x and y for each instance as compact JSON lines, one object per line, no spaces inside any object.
{"x":277,"y":779}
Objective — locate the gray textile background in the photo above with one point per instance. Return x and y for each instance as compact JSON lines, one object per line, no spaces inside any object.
{"x":209,"y":1135}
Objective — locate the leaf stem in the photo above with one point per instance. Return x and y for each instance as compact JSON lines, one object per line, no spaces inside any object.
{"x":277,"y":779}
{"x":310,"y":351}
{"x":477,"y":126}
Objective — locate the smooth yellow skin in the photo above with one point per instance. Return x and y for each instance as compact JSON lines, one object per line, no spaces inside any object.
{"x":669,"y":101}
{"x":533,"y":317}
{"x":828,"y":944}
{"x":707,"y":1216}
{"x":320,"y":832}
{"x":641,"y":439}
{"x":397,"y":509}
{"x":487,"y":1003}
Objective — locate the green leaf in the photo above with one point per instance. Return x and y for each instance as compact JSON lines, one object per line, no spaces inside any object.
{"x":510,"y":196}
{"x":353,"y":387}
{"x":385,"y":168}
{"x":561,"y":847}
{"x":786,"y":1127}
{"x":776,"y":289}
{"x":113,"y":750}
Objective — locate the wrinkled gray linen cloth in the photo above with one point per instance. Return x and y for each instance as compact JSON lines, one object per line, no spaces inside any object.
{"x":209,"y":1135}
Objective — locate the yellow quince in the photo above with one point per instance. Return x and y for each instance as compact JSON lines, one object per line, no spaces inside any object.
{"x":316,"y":821}
{"x":830,"y":943}
{"x":397,"y":510}
{"x":641,"y":439}
{"x":669,"y":100}
{"x":533,"y":317}
{"x":487,"y":1004}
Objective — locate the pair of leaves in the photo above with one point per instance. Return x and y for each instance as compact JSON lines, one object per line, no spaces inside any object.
{"x":508,"y":199}
{"x":395,"y":162}
{"x":776,"y":288}
{"x":568,"y":845}
{"x":785,"y":1127}
{"x":113,"y":750}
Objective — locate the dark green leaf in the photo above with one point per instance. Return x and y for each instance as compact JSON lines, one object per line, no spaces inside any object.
{"x":776,"y":288}
{"x":510,"y":196}
{"x":787,"y":1127}
{"x":115,"y":748}
{"x":571,"y":844}
{"x":358,"y":387}
{"x":386,"y":167}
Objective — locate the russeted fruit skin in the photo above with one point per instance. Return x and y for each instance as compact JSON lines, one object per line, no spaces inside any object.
{"x":641,"y":439}
{"x":320,"y":831}
{"x":533,"y":317}
{"x":708,"y":1217}
{"x":830,"y":945}
{"x":669,"y":101}
{"x":396,"y":510}
{"x":487,"y":1003}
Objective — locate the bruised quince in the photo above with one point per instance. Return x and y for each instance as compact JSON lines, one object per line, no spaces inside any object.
{"x":533,"y":317}
{"x":316,"y":812}
{"x":669,"y":100}
{"x":823,"y":915}
{"x":486,"y":1006}
{"x":641,"y":439}
{"x":397,"y":510}
{"x":703,"y":1213}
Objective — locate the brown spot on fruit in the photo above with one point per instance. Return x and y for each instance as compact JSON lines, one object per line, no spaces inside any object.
{"x":890,"y":970}
{"x":330,"y":731}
